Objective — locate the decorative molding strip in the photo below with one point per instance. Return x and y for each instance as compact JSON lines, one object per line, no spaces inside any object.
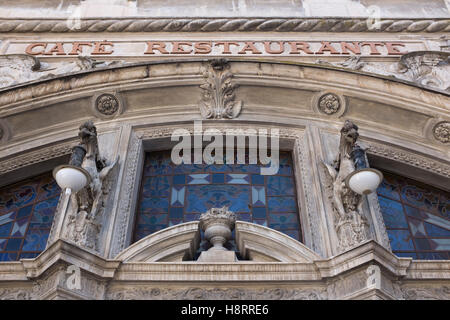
{"x":126,"y":193}
{"x":43,"y":154}
{"x":223,"y":25}
{"x":415,"y":160}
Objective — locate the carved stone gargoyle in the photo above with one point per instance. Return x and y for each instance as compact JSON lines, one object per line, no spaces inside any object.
{"x":350,"y":224}
{"x":87,"y":206}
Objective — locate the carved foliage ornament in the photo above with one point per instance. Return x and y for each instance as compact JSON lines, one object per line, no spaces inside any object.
{"x":218,"y":92}
{"x":442,"y":132}
{"x":107,"y":104}
{"x":329,"y":103}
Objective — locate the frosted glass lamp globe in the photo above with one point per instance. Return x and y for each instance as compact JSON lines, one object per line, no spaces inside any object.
{"x":364,"y":181}
{"x":71,"y":177}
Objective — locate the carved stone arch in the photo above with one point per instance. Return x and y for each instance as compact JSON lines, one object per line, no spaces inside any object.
{"x":254,"y":242}
{"x":176,"y":243}
{"x":259,"y":243}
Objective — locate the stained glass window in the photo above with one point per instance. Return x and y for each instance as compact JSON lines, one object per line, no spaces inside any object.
{"x":417,"y":218}
{"x":172,"y":194}
{"x":26,"y":216}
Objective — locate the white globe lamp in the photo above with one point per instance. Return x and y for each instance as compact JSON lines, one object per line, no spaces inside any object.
{"x":72,"y":176}
{"x":364,"y":181}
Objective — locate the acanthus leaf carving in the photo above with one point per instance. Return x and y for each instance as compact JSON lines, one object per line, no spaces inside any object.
{"x":218,"y":92}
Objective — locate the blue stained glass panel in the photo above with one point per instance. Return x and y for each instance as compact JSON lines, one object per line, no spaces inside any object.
{"x":392,"y":213}
{"x":26,"y":215}
{"x":435,"y":231}
{"x":282,"y":204}
{"x":416,"y":218}
{"x":35,"y":240}
{"x":400,"y":240}
{"x":172,"y":194}
{"x":280,"y":186}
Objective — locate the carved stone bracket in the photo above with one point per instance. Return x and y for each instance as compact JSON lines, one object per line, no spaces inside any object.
{"x":218,"y":92}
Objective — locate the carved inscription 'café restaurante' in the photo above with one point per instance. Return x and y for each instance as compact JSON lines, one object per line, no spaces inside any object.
{"x":92,"y":205}
{"x":223,"y":48}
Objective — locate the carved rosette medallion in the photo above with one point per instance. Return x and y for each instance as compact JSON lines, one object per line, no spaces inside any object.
{"x":107,"y":104}
{"x":218,"y":92}
{"x":441,"y":132}
{"x":329,"y":103}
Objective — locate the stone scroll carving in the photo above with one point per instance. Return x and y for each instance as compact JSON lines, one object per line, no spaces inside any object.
{"x":350,"y":224}
{"x":218,"y":92}
{"x":83,"y":224}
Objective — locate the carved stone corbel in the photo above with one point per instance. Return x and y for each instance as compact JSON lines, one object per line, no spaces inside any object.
{"x":218,"y":92}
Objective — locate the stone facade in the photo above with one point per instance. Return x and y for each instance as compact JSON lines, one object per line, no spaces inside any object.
{"x":399,"y":101}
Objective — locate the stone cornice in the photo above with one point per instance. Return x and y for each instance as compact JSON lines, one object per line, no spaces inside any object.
{"x":69,"y":253}
{"x":138,"y":24}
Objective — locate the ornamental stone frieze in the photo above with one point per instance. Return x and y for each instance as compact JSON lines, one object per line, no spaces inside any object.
{"x":425,"y":68}
{"x":21,"y":68}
